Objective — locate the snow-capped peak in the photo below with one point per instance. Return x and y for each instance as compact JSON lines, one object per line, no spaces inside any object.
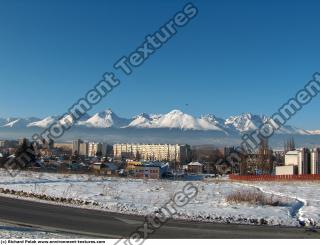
{"x":18,"y":122}
{"x":142,"y":115}
{"x":143,"y":120}
{"x":12,"y":123}
{"x":44,"y":123}
{"x":314,"y":132}
{"x":175,"y":119}
{"x":105,"y":119}
{"x":175,"y":112}
{"x":245,"y":122}
{"x":213,"y":119}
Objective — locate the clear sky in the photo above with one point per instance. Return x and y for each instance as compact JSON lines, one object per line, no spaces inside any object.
{"x":234,"y":57}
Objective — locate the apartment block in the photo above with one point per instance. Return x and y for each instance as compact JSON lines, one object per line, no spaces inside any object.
{"x":84,"y":149}
{"x":153,"y":152}
{"x":76,"y":145}
{"x":304,"y":161}
{"x":90,"y":148}
{"x":315,"y":161}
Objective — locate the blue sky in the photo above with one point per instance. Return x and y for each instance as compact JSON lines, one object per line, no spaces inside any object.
{"x":234,"y":57}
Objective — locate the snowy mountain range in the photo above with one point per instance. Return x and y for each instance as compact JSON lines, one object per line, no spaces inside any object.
{"x":175,"y":119}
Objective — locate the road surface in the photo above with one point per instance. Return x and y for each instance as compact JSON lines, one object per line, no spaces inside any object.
{"x":98,"y":224}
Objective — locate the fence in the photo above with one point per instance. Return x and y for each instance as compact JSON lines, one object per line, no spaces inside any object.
{"x":303,"y":177}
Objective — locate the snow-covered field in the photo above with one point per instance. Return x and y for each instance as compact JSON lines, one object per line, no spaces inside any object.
{"x":300,"y":200}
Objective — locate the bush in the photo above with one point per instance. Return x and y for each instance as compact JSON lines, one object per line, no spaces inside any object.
{"x":253,"y":197}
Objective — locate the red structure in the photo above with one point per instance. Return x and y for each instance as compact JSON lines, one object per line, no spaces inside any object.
{"x":304,"y":177}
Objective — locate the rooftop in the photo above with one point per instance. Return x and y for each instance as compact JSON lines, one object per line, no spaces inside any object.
{"x":292,"y":153}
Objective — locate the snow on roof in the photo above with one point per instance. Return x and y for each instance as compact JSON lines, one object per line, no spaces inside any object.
{"x":97,"y":163}
{"x":155,"y":164}
{"x":195,"y":164}
{"x":292,"y":153}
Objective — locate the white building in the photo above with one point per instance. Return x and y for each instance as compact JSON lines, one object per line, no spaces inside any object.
{"x":291,"y":163}
{"x":153,"y":152}
{"x":291,"y":158}
{"x":286,"y":170}
{"x":89,"y":148}
{"x":94,"y":148}
{"x":315,"y":161}
{"x":298,"y":158}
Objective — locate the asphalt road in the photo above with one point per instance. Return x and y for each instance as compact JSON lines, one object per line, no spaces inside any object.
{"x":98,"y":224}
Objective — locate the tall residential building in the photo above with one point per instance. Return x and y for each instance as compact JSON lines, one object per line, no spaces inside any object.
{"x":91,"y":148}
{"x":315,"y":161}
{"x":76,"y":145}
{"x":153,"y":152}
{"x":84,"y":149}
{"x":106,"y":149}
{"x":304,"y":161}
{"x":94,"y":148}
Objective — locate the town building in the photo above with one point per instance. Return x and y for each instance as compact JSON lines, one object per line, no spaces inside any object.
{"x":3,"y":143}
{"x":291,"y":158}
{"x":304,"y":161}
{"x":91,"y":149}
{"x":287,"y":170}
{"x":299,"y":162}
{"x":8,"y":143}
{"x":109,"y":169}
{"x":147,"y":170}
{"x":153,"y":152}
{"x":76,"y":146}
{"x":84,"y":149}
{"x":315,"y":161}
{"x":67,"y":146}
{"x":101,"y":149}
{"x":195,"y":167}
